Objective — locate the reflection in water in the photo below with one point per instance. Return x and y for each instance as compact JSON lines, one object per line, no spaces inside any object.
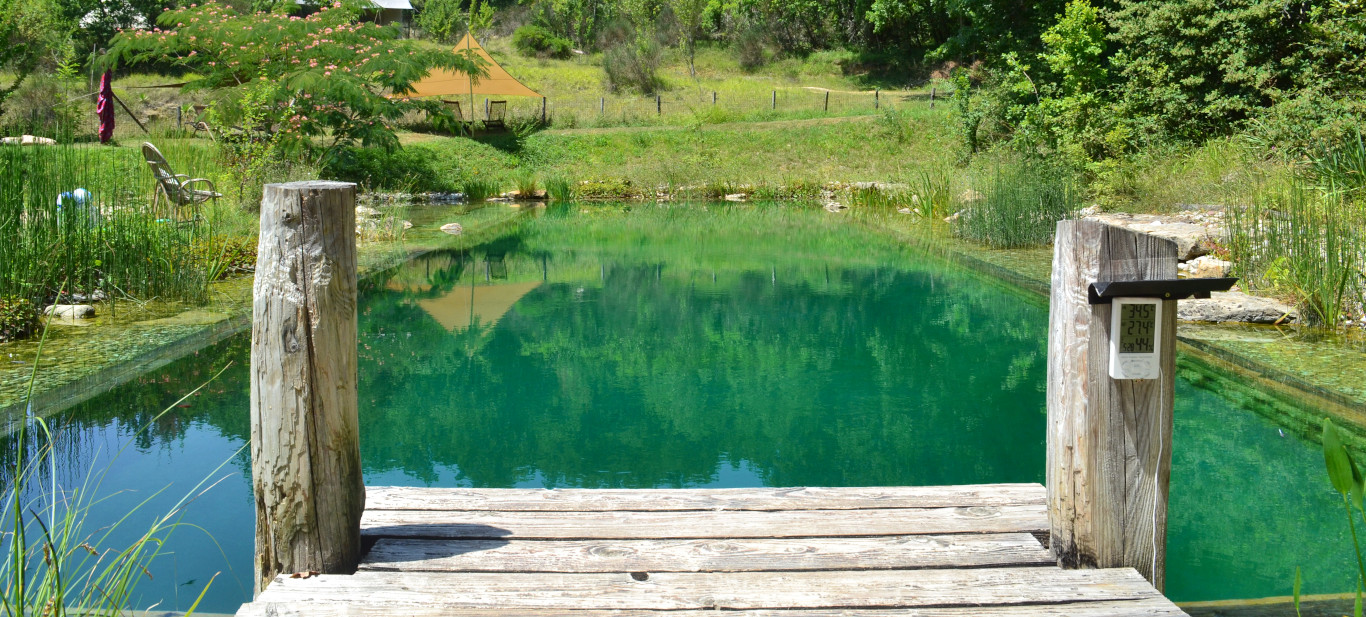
{"x":664,"y":348}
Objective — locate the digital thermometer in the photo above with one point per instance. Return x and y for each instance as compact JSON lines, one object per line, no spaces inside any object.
{"x":1135,"y":338}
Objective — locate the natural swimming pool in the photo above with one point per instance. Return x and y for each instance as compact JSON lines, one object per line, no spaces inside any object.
{"x":662,"y":346}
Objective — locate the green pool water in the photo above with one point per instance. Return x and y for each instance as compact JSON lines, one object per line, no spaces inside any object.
{"x":689,"y":346}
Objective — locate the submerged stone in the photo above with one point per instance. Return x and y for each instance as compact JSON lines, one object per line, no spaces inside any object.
{"x":70,"y":312}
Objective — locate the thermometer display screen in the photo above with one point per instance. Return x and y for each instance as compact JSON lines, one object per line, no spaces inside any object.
{"x":1137,"y":328}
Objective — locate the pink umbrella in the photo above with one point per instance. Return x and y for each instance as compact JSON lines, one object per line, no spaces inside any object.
{"x":104,"y":107}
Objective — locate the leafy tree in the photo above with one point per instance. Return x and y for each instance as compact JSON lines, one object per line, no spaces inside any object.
{"x":100,"y":20}
{"x":1195,"y":68}
{"x":339,"y":79}
{"x":442,"y":20}
{"x":690,"y":15}
{"x":29,"y":29}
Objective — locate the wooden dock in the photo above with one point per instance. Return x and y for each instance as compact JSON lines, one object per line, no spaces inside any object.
{"x":766,"y":552}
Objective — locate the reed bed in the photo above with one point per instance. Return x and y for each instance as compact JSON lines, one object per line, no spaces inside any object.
{"x":1306,"y":242}
{"x":103,"y":237}
{"x":1020,"y":206}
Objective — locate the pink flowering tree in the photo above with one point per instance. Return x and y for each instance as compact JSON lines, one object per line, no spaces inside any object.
{"x":333,"y":80}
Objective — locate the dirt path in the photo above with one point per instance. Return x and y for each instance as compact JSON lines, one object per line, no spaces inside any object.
{"x":724,"y":126}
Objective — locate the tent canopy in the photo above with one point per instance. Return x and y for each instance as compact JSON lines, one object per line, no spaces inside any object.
{"x":442,"y":82}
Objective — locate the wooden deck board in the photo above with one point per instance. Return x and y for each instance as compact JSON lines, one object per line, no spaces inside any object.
{"x":810,"y":552}
{"x":702,"y":555}
{"x":607,"y":500}
{"x":721,"y":590}
{"x":1148,"y":607}
{"x":701,"y":524}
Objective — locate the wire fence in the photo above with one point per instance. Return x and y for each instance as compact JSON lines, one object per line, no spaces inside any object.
{"x":169,"y":115}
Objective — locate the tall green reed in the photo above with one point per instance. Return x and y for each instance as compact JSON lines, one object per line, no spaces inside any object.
{"x":109,"y":240}
{"x":1342,"y":169}
{"x":1021,"y":205}
{"x":1303,"y":241}
{"x":53,"y":565}
{"x":1346,"y":478}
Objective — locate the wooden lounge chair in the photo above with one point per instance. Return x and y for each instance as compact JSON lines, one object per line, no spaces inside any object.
{"x":460,"y":122}
{"x":497,"y":111}
{"x":182,"y":196}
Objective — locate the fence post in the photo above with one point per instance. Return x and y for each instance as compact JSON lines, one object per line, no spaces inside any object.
{"x":1109,"y":441}
{"x":713,"y":97}
{"x":877,"y":99}
{"x":659,"y":105}
{"x":827,"y":101}
{"x":542,"y":110}
{"x":602,"y":105}
{"x":305,"y":438}
{"x":932,"y":92}
{"x":775,"y":100}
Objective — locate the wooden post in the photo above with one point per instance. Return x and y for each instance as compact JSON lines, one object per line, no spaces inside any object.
{"x":775,"y":100}
{"x":305,"y":437}
{"x":877,"y":100}
{"x":713,"y":97}
{"x":542,"y":110}
{"x":827,"y":101}
{"x":659,"y":105}
{"x":932,"y":93}
{"x":602,"y":105}
{"x":1109,"y":441}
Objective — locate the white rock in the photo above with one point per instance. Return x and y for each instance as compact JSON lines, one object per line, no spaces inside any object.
{"x":736,"y":197}
{"x":453,"y":229}
{"x":1204,"y":267}
{"x":835,"y":206}
{"x":904,"y":210}
{"x":70,"y":312}
{"x":363,"y":212}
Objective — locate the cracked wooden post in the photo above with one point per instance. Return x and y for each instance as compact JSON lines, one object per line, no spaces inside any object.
{"x":1109,"y":441}
{"x":305,"y":441}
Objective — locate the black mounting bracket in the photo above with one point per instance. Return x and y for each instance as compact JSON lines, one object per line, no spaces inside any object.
{"x":1102,"y":292}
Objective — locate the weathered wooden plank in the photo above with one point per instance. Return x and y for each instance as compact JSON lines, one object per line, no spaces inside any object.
{"x":1147,"y":607}
{"x":802,"y":498}
{"x":731,"y":590}
{"x":729,"y":555}
{"x":1109,"y":441}
{"x":305,"y":440}
{"x":693,"y":524}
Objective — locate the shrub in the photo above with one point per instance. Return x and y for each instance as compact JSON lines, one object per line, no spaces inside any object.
{"x":1309,"y":121}
{"x":634,"y":65}
{"x":750,"y":48}
{"x":30,"y":109}
{"x":533,"y":40}
{"x":18,"y":319}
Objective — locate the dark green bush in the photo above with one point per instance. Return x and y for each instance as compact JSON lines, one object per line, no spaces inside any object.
{"x":1308,"y":122}
{"x":533,"y":40}
{"x":18,"y":319}
{"x":402,"y":169}
{"x":633,"y":64}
